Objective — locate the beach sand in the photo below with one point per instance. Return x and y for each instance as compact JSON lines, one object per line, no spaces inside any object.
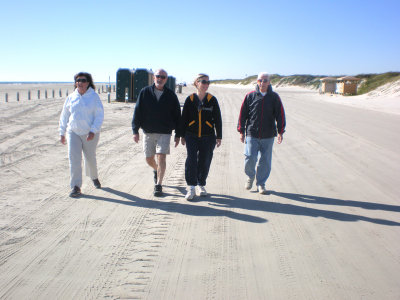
{"x":328,"y":229}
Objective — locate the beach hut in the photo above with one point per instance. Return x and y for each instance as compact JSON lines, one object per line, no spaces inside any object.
{"x":124,"y":84}
{"x":141,"y":79}
{"x":328,"y":85}
{"x":171,"y":83}
{"x":347,"y":85}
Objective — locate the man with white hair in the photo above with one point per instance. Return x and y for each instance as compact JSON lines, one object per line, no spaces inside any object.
{"x":157,"y":112}
{"x":261,"y":119}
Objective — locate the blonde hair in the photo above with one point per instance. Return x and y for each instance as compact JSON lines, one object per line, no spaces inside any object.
{"x":198,"y":77}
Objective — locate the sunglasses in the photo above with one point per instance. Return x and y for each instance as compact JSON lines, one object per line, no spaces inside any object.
{"x":161,"y":76}
{"x":204,"y":81}
{"x":263,"y":80}
{"x":83,"y":80}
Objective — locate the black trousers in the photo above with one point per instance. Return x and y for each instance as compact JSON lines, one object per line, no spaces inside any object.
{"x":199,"y":157}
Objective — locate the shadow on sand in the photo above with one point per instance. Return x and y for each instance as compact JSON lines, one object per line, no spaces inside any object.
{"x":184,"y":207}
{"x":281,"y":208}
{"x":219,"y":205}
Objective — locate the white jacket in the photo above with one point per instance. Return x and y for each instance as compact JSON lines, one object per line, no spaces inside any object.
{"x":82,"y":114}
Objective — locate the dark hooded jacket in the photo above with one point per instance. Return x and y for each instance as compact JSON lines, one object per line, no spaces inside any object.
{"x":262,"y":116}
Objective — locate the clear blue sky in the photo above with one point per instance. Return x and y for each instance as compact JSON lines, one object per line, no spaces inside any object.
{"x":52,"y":40}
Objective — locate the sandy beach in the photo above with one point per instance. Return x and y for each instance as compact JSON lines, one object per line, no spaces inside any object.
{"x":329,"y":227}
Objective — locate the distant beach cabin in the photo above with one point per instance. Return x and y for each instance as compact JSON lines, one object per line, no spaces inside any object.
{"x":328,"y":85}
{"x":347,"y":85}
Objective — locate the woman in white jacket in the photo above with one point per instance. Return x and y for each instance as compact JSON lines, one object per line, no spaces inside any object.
{"x":82,"y":117}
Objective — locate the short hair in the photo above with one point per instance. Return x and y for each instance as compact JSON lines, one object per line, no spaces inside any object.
{"x":263,"y":74}
{"x":161,"y":70}
{"x":198,"y":77}
{"x":88,"y":77}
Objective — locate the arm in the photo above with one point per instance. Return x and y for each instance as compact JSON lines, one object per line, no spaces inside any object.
{"x":218,"y":121}
{"x":99,"y":116}
{"x":177,"y":119}
{"x":64,"y":118}
{"x":137,"y":114}
{"x":280,"y":118}
{"x":241,"y":127}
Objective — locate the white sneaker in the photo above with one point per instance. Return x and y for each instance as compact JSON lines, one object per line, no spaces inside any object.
{"x":262,"y":190}
{"x":249,"y":183}
{"x":202,"y":190}
{"x":191,"y":193}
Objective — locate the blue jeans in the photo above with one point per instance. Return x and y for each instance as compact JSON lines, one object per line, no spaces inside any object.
{"x":261,"y":150}
{"x":199,"y":156}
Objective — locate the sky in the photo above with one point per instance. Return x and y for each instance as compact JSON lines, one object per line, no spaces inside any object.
{"x":229,"y":39}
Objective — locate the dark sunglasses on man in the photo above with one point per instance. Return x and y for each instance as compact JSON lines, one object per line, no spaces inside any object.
{"x":161,"y":76}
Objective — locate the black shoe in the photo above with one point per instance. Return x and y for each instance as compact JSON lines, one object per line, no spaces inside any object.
{"x":96,"y":183}
{"x":155,"y":176}
{"x":158,"y":190}
{"x":76,"y":192}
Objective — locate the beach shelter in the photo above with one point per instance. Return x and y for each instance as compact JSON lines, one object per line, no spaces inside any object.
{"x":328,"y":85}
{"x":347,"y":85}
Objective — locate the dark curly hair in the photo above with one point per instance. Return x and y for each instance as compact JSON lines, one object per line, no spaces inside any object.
{"x":88,"y":77}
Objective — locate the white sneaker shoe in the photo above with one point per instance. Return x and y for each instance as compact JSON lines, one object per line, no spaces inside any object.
{"x":202,"y":191}
{"x":249,"y":183}
{"x":262,"y":190}
{"x":191,"y":193}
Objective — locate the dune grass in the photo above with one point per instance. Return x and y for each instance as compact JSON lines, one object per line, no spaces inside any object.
{"x":369,"y":82}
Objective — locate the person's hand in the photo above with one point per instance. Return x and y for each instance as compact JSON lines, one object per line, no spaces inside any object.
{"x":62,"y":139}
{"x":177,"y":141}
{"x":136,"y":137}
{"x":219,"y":142}
{"x":242,"y":137}
{"x":183,"y":141}
{"x":280,"y":138}
{"x":90,"y":136}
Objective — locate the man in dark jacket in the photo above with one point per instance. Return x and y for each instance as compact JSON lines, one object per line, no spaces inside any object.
{"x":157,"y":112}
{"x":261,"y":119}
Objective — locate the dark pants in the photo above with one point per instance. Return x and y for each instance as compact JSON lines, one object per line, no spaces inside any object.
{"x":199,"y":156}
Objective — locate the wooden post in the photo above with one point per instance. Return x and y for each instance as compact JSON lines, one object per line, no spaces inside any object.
{"x":38,"y":94}
{"x":45,"y":94}
{"x":108,"y":96}
{"x":18,"y":96}
{"x":52,"y":94}
{"x":6,"y":97}
{"x":29,"y":95}
{"x":60,"y":93}
{"x":66,"y":93}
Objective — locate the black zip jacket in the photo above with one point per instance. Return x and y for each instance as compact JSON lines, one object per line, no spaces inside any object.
{"x":154,"y":116}
{"x":262,"y":116}
{"x":201,"y":119}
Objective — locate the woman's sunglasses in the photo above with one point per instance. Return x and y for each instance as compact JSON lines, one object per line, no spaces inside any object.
{"x":83,"y":80}
{"x":204,"y":81}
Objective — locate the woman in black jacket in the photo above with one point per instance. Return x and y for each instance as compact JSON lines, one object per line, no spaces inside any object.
{"x":201,"y":130}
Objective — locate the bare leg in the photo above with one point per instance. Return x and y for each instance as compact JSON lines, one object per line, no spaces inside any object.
{"x":162,"y":165}
{"x":152,"y":162}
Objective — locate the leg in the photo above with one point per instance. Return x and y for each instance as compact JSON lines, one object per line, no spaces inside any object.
{"x":206,"y":149}
{"x":152,"y":162}
{"x":149,"y":149}
{"x":162,"y":149}
{"x":75,"y":159}
{"x":264,"y":164}
{"x":162,"y":165}
{"x":192,"y":148}
{"x":251,"y":155}
{"x":89,"y":152}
